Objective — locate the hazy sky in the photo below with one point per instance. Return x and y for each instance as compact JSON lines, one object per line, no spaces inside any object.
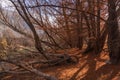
{"x":5,"y":3}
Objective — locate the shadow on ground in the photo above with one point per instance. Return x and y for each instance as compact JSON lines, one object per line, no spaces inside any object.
{"x":96,"y":69}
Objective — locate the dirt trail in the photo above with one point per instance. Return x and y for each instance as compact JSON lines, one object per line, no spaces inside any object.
{"x":90,"y":67}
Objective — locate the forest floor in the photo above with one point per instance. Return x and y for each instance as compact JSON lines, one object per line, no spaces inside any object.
{"x":89,"y":67}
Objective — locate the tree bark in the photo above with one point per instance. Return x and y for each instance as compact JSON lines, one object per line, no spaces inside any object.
{"x":79,"y":25}
{"x":113,"y":33}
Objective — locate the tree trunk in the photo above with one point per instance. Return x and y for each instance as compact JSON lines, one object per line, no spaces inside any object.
{"x":113,"y":33}
{"x":79,"y":24}
{"x":91,"y":44}
{"x":31,"y":26}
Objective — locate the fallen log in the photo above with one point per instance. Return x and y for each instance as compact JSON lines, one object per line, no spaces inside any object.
{"x":30,"y":69}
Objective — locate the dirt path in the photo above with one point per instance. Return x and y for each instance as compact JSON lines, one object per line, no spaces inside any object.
{"x":90,"y":67}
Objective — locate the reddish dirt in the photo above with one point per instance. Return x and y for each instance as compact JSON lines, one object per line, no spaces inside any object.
{"x":90,"y":67}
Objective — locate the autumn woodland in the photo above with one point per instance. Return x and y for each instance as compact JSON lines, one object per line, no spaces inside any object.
{"x":59,"y":39}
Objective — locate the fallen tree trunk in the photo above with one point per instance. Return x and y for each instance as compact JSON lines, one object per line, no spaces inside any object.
{"x":30,"y":69}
